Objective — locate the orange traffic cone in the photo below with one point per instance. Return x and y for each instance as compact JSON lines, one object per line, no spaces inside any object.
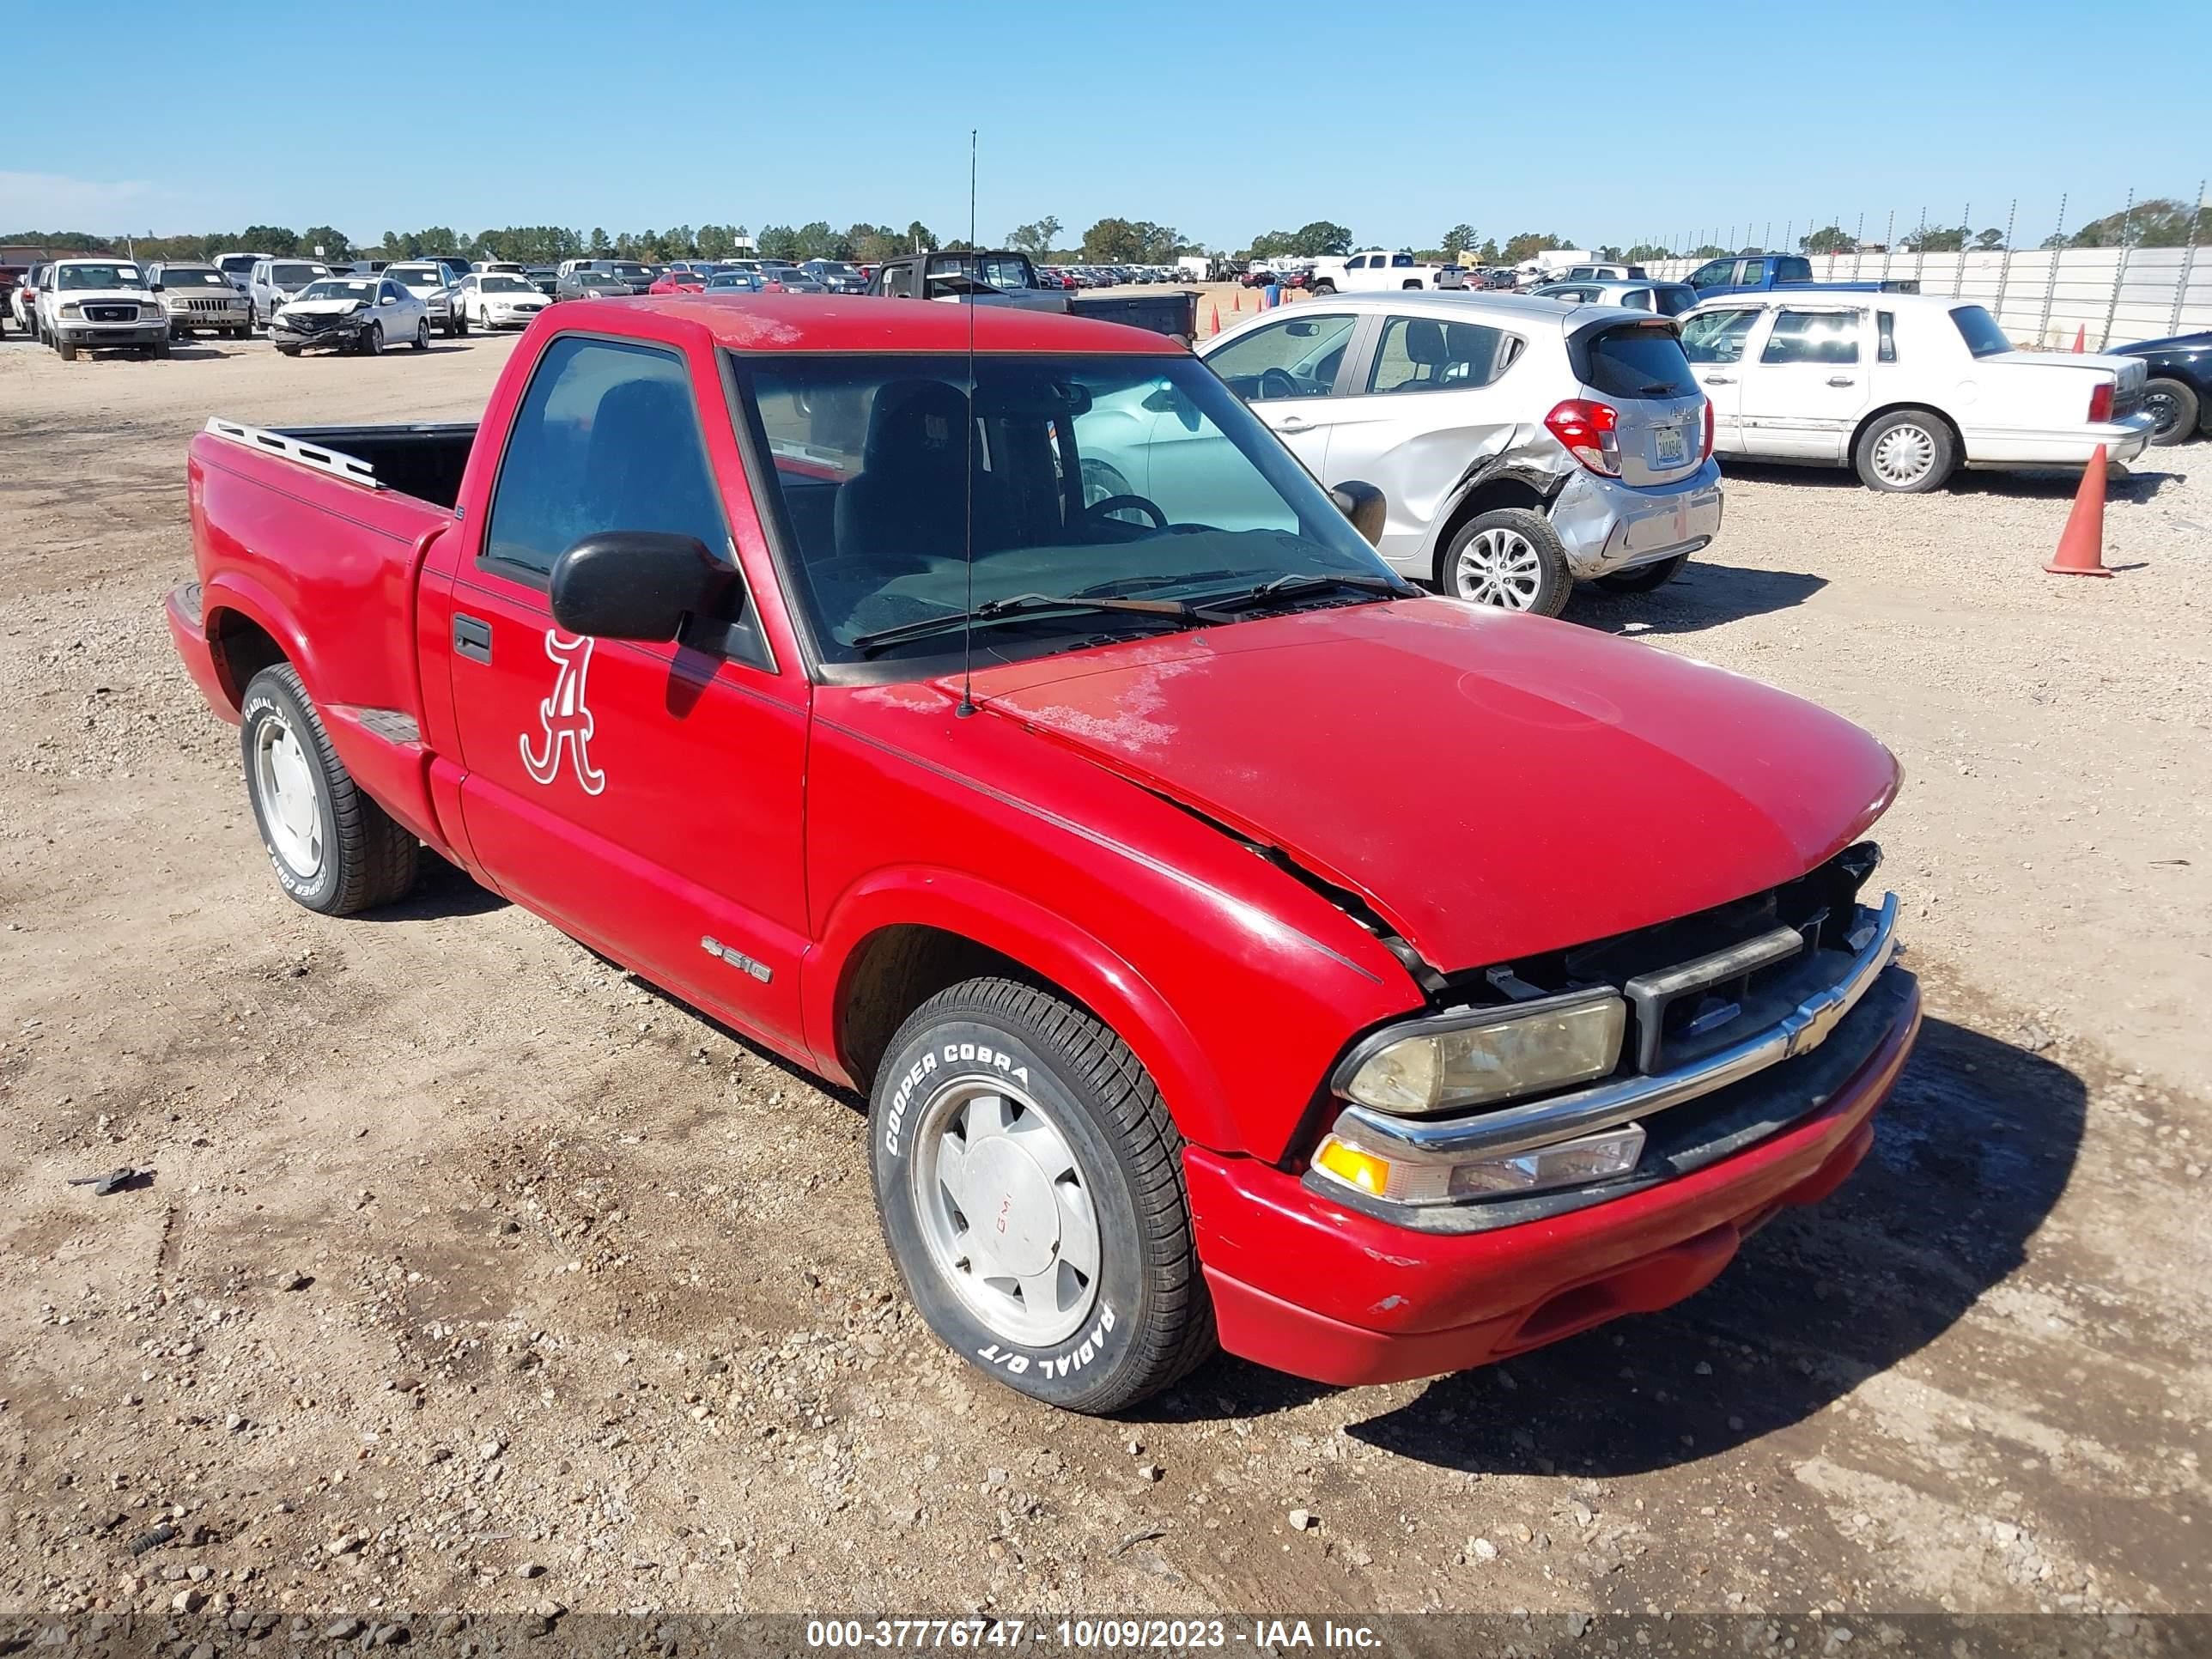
{"x":2082,"y":544}
{"x":1236,"y":300}
{"x":2081,"y":336}
{"x":1214,"y":318}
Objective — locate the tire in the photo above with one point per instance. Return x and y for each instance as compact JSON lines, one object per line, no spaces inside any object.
{"x":371,"y":343}
{"x":422,"y":334}
{"x":289,"y":351}
{"x":1644,"y":577}
{"x":334,"y":850}
{"x":461,"y":323}
{"x":1324,"y":287}
{"x":1089,"y":1155}
{"x":447,"y":328}
{"x":68,"y":351}
{"x":1907,"y":452}
{"x":1509,"y":558}
{"x":2176,"y":408}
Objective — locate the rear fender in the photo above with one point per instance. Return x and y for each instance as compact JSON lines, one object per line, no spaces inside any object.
{"x":1048,"y":944}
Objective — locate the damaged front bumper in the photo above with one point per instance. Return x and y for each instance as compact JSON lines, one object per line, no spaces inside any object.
{"x":1608,"y":525}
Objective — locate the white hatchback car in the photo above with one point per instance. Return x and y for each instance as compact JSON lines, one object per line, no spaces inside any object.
{"x":1903,"y":387}
{"x":1520,"y":444}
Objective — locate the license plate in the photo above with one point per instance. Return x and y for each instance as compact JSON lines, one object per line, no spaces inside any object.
{"x":1669,"y":446}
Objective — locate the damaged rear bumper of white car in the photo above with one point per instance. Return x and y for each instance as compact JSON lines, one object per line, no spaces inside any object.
{"x":1608,"y":525}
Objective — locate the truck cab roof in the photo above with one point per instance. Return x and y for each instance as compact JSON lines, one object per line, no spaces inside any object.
{"x":802,"y":322}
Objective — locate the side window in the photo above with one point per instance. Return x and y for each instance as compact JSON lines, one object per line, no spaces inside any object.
{"x":1750,"y":273}
{"x":898,"y":282}
{"x":1812,"y":337}
{"x":1424,"y":353}
{"x":607,"y":437}
{"x":1790,"y":269}
{"x":1714,"y":273}
{"x":1637,"y":298}
{"x":1887,"y":323}
{"x":1719,"y":336}
{"x":1401,"y":262}
{"x":1296,"y":357}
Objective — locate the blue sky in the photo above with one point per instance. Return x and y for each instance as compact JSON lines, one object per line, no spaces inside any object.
{"x":1223,"y":119}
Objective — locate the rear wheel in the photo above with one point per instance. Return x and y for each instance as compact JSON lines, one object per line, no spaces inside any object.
{"x":1510,"y":557}
{"x":334,"y":849}
{"x":1644,"y":577}
{"x":1324,"y":287}
{"x":2175,"y":407}
{"x":1030,"y":1183}
{"x":1908,"y":452}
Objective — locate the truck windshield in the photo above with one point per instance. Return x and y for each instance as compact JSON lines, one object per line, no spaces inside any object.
{"x":1095,"y":478}
{"x":97,"y":277}
{"x":187,"y":279}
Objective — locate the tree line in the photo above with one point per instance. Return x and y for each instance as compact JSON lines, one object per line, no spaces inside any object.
{"x":2156,"y":222}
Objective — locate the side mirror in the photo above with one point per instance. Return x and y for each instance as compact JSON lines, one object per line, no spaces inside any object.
{"x":637,"y":584}
{"x":1364,"y":505}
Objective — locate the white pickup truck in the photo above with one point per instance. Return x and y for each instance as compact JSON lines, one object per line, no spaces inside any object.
{"x":1378,"y":270}
{"x":1903,"y":387}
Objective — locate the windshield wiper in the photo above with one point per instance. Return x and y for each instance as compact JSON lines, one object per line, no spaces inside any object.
{"x":1285,"y":589}
{"x":1017,"y":605}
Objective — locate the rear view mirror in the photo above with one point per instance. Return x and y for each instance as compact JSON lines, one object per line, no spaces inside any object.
{"x":637,"y":584}
{"x":1363,"y":504}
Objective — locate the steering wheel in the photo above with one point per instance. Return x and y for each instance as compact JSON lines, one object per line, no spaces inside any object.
{"x":1111,"y":504}
{"x":1277,"y":383}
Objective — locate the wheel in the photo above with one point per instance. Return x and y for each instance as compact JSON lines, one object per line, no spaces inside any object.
{"x":1324,"y":287}
{"x":1644,"y":577}
{"x":68,"y":351}
{"x":334,"y":849}
{"x":289,"y":351}
{"x":422,"y":334}
{"x":2176,"y":408}
{"x":1030,"y":1183}
{"x":159,"y":348}
{"x":371,"y":343}
{"x":461,"y":322}
{"x":446,"y":327}
{"x":1510,"y":557}
{"x":1909,"y":452}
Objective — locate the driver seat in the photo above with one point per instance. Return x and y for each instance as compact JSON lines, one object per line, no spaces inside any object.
{"x":909,"y":501}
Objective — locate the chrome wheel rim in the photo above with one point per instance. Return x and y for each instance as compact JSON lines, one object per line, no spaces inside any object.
{"x":1005,"y":1211}
{"x":284,"y":784}
{"x":1905,"y":454}
{"x":1498,"y":566}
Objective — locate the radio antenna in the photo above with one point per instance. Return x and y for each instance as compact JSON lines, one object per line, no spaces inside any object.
{"x":968,"y":475}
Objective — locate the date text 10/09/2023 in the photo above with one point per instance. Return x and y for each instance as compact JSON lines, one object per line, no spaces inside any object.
{"x":1107,"y":1635}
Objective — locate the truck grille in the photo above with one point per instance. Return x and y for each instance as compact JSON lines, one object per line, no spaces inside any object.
{"x":216,"y":307}
{"x":1697,"y":984}
{"x":111,"y":313}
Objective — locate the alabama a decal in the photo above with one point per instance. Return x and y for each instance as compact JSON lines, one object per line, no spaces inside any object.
{"x":567,"y":721}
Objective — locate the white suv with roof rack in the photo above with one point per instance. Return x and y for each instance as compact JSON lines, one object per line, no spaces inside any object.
{"x":1521,"y":446}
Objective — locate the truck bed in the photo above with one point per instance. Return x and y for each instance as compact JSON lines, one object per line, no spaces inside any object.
{"x":424,"y":459}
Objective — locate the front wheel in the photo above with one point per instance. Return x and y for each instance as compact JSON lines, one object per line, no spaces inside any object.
{"x":1029,"y":1183}
{"x":1644,"y":577}
{"x":2175,"y":408}
{"x":422,"y":334}
{"x":1509,"y":557}
{"x":1908,"y":452}
{"x":334,"y":849}
{"x":371,"y":343}
{"x":461,"y":322}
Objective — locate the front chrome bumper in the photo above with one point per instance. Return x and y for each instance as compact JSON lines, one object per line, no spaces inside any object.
{"x":1606,"y":1105}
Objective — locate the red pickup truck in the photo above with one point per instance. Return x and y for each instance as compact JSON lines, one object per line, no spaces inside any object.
{"x":1235,"y":945}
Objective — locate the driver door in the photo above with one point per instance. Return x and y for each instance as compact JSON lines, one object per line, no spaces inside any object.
{"x":1290,"y":371}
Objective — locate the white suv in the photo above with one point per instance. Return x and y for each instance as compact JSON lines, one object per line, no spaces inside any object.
{"x":88,"y":303}
{"x":1520,"y":444}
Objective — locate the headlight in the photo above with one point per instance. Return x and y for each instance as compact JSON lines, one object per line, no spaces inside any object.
{"x":1487,"y":1055}
{"x":72,"y":308}
{"x":1404,"y":1180}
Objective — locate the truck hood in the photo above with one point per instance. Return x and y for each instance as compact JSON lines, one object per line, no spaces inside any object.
{"x":1492,"y":784}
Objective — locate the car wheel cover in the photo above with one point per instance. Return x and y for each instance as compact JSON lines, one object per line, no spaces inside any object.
{"x":1498,"y":566}
{"x":1005,"y":1211}
{"x":1905,"y":454}
{"x":284,"y":784}
{"x":2165,"y":412}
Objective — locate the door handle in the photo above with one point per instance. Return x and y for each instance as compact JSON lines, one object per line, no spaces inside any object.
{"x":1293,"y":423}
{"x":1720,"y":380}
{"x":1841,"y":379}
{"x":472,"y":638}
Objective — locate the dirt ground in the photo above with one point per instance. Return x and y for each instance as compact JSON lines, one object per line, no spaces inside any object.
{"x":473,"y":1274}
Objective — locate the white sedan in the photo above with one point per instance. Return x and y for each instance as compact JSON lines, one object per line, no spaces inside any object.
{"x":1903,"y":387}
{"x":492,"y":298}
{"x":350,"y":313}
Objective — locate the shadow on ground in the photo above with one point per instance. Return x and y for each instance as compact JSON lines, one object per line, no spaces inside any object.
{"x":2142,"y":480}
{"x":1704,"y":595}
{"x":1970,"y":1156}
